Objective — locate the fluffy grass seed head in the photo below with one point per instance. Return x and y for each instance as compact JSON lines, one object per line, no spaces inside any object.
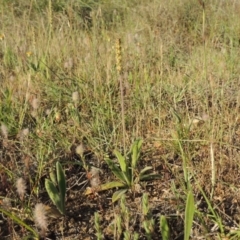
{"x":23,"y":134}
{"x":95,"y":179}
{"x":34,"y":114}
{"x":75,"y":97}
{"x":40,"y":217}
{"x":80,"y":150}
{"x":21,"y":187}
{"x":4,"y":130}
{"x":35,"y":103}
{"x":68,"y":64}
{"x":48,"y":112}
{"x":6,"y":204}
{"x":118,"y":51}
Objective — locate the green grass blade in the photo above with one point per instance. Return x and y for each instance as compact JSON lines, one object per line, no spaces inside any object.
{"x":189,"y":213}
{"x":216,"y":217}
{"x":61,"y":184}
{"x":54,"y":195}
{"x":19,"y":221}
{"x":165,"y":231}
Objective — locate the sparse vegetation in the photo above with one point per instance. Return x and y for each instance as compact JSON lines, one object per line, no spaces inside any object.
{"x":80,"y":79}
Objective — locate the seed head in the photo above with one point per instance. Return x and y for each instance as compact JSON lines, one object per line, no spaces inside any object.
{"x":35,"y":103}
{"x":75,"y":97}
{"x":23,"y":134}
{"x":34,"y":113}
{"x":48,"y":112}
{"x":118,"y":51}
{"x":6,"y":203}
{"x":94,"y":171}
{"x":95,"y":182}
{"x":68,"y":64}
{"x":80,"y":149}
{"x":40,"y":217}
{"x":205,"y":117}
{"x":95,"y":179}
{"x":4,"y":130}
{"x":21,"y":187}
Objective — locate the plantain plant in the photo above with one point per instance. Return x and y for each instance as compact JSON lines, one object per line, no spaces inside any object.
{"x":57,"y":194}
{"x":128,"y":177}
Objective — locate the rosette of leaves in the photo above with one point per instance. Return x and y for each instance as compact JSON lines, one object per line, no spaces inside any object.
{"x":126,"y":171}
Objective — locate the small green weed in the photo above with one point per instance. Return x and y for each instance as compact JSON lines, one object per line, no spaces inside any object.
{"x":126,"y":173}
{"x":165,"y":231}
{"x":121,"y":225}
{"x":148,"y":222}
{"x":99,"y":234}
{"x":57,"y":195}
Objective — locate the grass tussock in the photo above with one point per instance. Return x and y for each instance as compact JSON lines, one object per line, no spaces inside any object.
{"x":80,"y":79}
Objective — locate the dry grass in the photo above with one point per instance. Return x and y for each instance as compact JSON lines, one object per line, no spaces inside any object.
{"x":180,"y":94}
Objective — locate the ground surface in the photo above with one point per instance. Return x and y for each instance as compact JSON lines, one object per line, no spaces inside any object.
{"x":99,"y":75}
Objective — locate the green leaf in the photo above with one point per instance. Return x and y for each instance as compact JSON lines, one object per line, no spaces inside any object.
{"x":216,"y":217}
{"x":115,"y":169}
{"x":61,"y":185}
{"x":118,"y":194}
{"x":54,"y":195}
{"x":125,"y":173}
{"x":128,"y":180}
{"x":19,"y":221}
{"x":53,"y":177}
{"x":122,"y":160}
{"x":189,"y":213}
{"x":148,"y":177}
{"x":135,"y":236}
{"x":145,"y":170}
{"x":136,"y":147}
{"x":111,"y":185}
{"x":164,"y":228}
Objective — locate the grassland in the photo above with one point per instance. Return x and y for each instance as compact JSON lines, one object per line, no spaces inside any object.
{"x":80,"y":79}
